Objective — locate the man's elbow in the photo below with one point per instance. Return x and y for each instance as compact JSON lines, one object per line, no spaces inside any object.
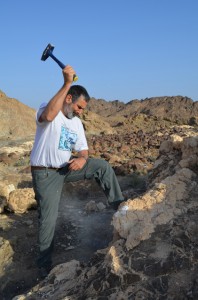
{"x":49,"y":118}
{"x":46,"y":118}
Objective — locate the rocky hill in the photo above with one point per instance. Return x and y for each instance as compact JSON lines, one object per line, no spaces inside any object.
{"x":105,"y":108}
{"x":178,"y":110}
{"x":17,"y":119}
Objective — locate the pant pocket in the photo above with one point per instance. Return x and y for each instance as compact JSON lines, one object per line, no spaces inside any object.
{"x":40,"y":175}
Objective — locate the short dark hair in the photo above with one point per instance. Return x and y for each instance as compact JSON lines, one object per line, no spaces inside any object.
{"x":76,"y":91}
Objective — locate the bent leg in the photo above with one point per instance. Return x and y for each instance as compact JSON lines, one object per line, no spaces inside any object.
{"x":103,"y":173}
{"x":47,"y":186}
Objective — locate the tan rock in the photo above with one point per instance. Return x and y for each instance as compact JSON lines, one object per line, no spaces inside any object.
{"x":6,"y":253}
{"x":136,"y":219}
{"x":176,"y":140}
{"x":5,"y":190}
{"x":113,"y":258}
{"x":66,"y":271}
{"x":95,"y":124}
{"x":22,"y":149}
{"x":21,"y":200}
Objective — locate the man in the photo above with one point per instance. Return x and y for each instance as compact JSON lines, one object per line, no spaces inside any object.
{"x":59,"y":131}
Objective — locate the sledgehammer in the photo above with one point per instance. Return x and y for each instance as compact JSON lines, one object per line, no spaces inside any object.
{"x":48,"y":52}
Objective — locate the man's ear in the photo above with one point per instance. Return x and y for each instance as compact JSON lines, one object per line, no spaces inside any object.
{"x":68,"y":99}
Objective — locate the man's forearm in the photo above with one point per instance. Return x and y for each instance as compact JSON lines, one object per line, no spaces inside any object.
{"x":55,"y":104}
{"x":84,"y":154}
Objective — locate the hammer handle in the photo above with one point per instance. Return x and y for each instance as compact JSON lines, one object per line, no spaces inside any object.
{"x":75,"y":78}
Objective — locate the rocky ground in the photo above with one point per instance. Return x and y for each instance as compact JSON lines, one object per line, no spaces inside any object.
{"x":83,"y":226}
{"x":146,"y":250}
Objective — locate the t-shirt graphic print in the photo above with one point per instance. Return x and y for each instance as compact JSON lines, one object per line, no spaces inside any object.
{"x":67,"y":139}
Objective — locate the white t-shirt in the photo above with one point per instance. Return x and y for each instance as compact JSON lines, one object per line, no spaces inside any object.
{"x":54,"y":141}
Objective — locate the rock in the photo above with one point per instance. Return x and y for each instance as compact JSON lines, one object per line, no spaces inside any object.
{"x":66,"y":271}
{"x":155,"y":207}
{"x":106,"y":156}
{"x":21,"y":200}
{"x":95,"y":124}
{"x":176,"y":140}
{"x":13,"y":151}
{"x":6,"y":253}
{"x":91,"y":206}
{"x":20,"y":297}
{"x":166,"y":147}
{"x":4,"y":158}
{"x":136,"y":220}
{"x":5,"y":190}
{"x":100,"y":206}
{"x":115,"y":158}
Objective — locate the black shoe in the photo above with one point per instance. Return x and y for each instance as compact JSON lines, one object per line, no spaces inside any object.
{"x":44,"y":271}
{"x":116,"y":204}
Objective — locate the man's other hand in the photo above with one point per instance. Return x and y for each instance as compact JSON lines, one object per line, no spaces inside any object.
{"x":76,"y":163}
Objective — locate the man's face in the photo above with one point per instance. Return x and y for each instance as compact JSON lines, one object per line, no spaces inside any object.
{"x":74,"y":109}
{"x":79,"y":106}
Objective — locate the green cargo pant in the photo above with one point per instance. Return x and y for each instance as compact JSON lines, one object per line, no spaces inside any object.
{"x":48,"y":184}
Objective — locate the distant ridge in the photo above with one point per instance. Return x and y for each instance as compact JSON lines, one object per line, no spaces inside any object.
{"x":178,"y":109}
{"x":18,"y":120}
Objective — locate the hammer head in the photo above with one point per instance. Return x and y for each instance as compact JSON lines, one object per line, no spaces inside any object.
{"x":46,"y":53}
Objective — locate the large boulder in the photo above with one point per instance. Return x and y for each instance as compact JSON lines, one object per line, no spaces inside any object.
{"x":136,"y":220}
{"x":20,"y":200}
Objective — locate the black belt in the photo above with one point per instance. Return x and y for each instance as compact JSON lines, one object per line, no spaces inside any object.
{"x":44,"y":168}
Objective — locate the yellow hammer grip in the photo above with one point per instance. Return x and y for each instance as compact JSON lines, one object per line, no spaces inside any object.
{"x":75,"y":77}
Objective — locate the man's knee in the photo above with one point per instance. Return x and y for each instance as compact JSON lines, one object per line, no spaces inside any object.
{"x":105,"y":167}
{"x":102,"y":164}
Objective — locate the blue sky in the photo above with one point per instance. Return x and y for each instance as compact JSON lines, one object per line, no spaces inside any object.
{"x":120,"y":50}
